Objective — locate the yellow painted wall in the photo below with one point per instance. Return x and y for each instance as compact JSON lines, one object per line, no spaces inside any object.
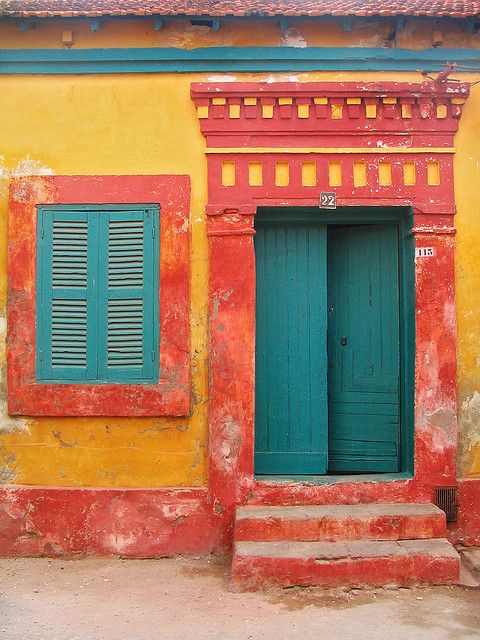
{"x":147,"y":124}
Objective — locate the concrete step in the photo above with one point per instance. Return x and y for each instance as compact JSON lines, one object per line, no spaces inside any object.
{"x":340,"y":522}
{"x":353,"y":563}
{"x":470,"y":559}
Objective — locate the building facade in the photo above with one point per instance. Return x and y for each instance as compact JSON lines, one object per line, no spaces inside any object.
{"x":239,"y":252}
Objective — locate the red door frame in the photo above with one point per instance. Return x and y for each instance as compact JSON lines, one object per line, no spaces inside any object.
{"x":400,"y":137}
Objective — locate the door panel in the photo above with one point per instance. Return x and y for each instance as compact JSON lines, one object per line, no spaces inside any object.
{"x":291,"y":353}
{"x":363,"y":349}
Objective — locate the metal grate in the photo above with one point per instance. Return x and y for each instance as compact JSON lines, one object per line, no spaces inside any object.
{"x":446,"y":498}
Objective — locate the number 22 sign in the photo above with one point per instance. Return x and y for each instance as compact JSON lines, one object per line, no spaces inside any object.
{"x":328,"y":200}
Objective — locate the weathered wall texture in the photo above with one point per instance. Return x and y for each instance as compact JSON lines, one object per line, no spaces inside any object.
{"x":134,"y":124}
{"x":313,"y":32}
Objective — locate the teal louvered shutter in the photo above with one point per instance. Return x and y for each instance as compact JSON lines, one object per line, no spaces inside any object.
{"x":127,"y":304}
{"x":97,"y":295}
{"x":66,"y":263}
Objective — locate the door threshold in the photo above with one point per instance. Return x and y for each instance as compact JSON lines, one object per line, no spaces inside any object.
{"x":335,"y":479}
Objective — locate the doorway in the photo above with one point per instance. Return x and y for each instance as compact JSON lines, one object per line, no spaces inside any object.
{"x":328,"y":343}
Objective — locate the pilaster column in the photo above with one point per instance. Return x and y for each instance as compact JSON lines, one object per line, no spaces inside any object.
{"x":435,"y":361}
{"x":232,"y":354}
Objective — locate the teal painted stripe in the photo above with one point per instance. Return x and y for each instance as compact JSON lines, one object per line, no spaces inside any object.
{"x":235,"y":59}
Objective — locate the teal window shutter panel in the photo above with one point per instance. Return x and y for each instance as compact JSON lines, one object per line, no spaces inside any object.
{"x":128,"y":313}
{"x":65,"y":290}
{"x":97,"y":295}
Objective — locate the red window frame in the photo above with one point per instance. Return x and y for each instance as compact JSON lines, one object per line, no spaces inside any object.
{"x":170,"y":396}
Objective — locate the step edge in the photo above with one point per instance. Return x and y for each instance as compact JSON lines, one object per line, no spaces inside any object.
{"x":260,"y":512}
{"x":444,"y":549}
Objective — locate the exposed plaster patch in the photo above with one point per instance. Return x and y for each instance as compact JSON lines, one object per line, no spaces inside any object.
{"x":450,"y":315}
{"x":120,"y":543}
{"x":222,"y":78}
{"x":7,"y":423}
{"x":221,"y":295}
{"x":229,"y":448}
{"x":469,"y":422}
{"x":291,"y":38}
{"x":25,"y":167}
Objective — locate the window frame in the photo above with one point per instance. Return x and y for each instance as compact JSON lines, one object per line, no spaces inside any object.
{"x":170,"y":394}
{"x":123,"y":376}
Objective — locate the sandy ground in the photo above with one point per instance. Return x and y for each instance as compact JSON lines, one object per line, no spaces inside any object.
{"x":100,"y":599}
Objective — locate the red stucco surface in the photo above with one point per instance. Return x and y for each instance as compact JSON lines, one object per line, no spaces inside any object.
{"x":171,"y":396}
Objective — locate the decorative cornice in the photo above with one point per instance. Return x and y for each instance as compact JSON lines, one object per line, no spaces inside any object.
{"x":344,"y":115}
{"x":282,"y":144}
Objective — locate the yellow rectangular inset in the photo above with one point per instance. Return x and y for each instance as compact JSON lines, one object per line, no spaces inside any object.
{"x":359,"y":174}
{"x":389,"y":101}
{"x":384,"y":174}
{"x":406,"y":111}
{"x":309,"y":174}
{"x":337,"y":111}
{"x":285,"y":101}
{"x":228,"y":174}
{"x":371,"y":110}
{"x":234,"y":111}
{"x":458,"y":100}
{"x":249,"y":102}
{"x":441,"y":111}
{"x":282,"y":174}
{"x":320,"y":100}
{"x":303,"y":110}
{"x":202,"y":111}
{"x":354,"y":101}
{"x":433,"y":173}
{"x":255,"y":174}
{"x":409,"y":175}
{"x":267,"y":110}
{"x":219,"y":101}
{"x":335,"y":174}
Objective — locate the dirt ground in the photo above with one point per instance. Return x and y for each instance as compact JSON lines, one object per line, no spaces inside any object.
{"x":111,"y":599}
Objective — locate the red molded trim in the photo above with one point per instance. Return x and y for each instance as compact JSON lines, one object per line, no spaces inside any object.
{"x":134,"y":523}
{"x":171,"y":396}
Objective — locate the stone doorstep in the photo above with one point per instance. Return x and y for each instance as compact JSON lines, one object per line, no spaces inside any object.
{"x":340,"y":511}
{"x":257,"y":565}
{"x":340,"y":522}
{"x":353,"y":549}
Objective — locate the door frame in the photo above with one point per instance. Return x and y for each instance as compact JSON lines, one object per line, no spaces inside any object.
{"x":375,"y":144}
{"x":402,"y":218}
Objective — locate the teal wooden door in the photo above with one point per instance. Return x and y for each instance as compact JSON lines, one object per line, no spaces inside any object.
{"x":291,"y":349}
{"x":363,"y":349}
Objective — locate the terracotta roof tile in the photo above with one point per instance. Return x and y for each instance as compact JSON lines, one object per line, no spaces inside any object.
{"x":45,"y":8}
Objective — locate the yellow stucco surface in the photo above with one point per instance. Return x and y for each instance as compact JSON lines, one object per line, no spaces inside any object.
{"x":147,"y":125}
